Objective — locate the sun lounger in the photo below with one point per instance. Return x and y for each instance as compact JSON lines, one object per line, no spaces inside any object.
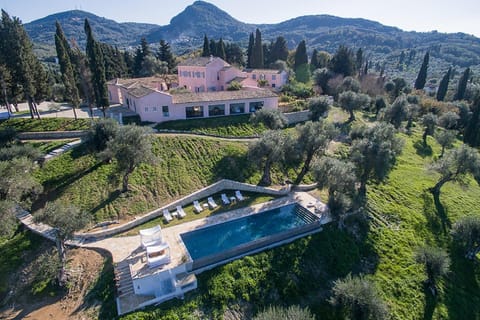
{"x":151,"y":236}
{"x":167,"y":216}
{"x":196,"y":205}
{"x":180,"y":212}
{"x":211,"y":203}
{"x":158,"y":255}
{"x":239,"y":195}
{"x":225,"y":199}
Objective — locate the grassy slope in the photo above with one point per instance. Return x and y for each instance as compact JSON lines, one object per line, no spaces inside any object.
{"x":46,"y":124}
{"x":184,"y":165}
{"x":406,"y":216}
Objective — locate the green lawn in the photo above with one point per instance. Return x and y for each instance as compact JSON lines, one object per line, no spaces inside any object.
{"x":184,"y":165}
{"x":235,"y":126}
{"x":45,"y":124}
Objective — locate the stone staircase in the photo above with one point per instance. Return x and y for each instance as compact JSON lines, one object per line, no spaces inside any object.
{"x":123,"y":279}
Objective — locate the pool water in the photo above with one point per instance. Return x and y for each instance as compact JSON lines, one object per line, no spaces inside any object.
{"x":227,"y":235}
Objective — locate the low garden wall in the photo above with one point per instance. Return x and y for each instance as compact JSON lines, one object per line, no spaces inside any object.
{"x":217,"y":187}
{"x":52,"y":135}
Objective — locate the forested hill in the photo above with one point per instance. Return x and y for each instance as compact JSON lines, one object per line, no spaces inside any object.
{"x":106,"y":30}
{"x":324,"y":32}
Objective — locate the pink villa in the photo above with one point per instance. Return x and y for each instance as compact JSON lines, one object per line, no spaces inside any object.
{"x":207,"y":80}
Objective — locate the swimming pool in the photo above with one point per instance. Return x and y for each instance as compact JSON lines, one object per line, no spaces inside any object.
{"x":232,"y":238}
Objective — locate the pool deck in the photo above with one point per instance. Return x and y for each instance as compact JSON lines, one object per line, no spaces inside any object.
{"x":129,"y":256}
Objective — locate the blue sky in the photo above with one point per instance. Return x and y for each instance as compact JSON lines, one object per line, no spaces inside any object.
{"x":418,"y":15}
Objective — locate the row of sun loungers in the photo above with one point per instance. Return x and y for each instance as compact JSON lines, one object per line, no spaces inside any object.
{"x":197,"y":207}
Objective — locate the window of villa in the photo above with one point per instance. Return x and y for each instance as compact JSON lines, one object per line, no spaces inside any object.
{"x":237,"y":108}
{"x":257,"y":105}
{"x":254,"y":76}
{"x":165,"y":111}
{"x":273,"y":85}
{"x":154,"y":109}
{"x":197,"y":74}
{"x":274,"y":77}
{"x":189,"y":74}
{"x":262,"y":77}
{"x":216,"y":110}
{"x":194,"y":112}
{"x":146,"y":109}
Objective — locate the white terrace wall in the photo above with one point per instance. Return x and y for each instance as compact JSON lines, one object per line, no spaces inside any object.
{"x":200,"y":194}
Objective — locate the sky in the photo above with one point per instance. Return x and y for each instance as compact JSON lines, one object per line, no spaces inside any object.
{"x":409,"y":15}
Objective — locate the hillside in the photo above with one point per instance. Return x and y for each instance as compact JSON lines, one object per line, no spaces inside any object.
{"x":106,"y":30}
{"x":324,"y":32}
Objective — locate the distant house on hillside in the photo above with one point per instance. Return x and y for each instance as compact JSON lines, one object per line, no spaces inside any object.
{"x":207,"y":80}
{"x":214,"y":74}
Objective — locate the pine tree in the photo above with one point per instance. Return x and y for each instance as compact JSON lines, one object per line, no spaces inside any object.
{"x":343,"y":62}
{"x":257,"y":61}
{"x":443,"y":87}
{"x":279,"y":50}
{"x":68,"y":75}
{"x":422,"y":74}
{"x":462,"y":85}
{"x":301,"y":57}
{"x":314,"y":63}
{"x":165,"y":54}
{"x":206,"y":47}
{"x":97,"y":67}
{"x":221,"y":50}
{"x":234,"y":54}
{"x":251,"y":43}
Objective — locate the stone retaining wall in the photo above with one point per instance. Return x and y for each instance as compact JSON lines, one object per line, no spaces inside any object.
{"x":52,"y":135}
{"x":295,"y":117}
{"x":200,"y":194}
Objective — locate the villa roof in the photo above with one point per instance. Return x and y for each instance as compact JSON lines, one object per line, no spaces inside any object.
{"x":151,"y":82}
{"x":140,"y":91}
{"x":200,"y":61}
{"x":270,"y":71}
{"x":222,"y":95}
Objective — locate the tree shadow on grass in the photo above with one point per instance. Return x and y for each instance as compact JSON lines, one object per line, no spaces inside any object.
{"x":111,"y":197}
{"x":430,"y":303}
{"x":442,"y":212}
{"x":462,"y":289}
{"x":422,"y":149}
{"x":434,"y":213}
{"x":234,"y":167}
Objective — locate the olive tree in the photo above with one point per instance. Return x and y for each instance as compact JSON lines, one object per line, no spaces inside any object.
{"x":312,"y":140}
{"x":436,"y":263}
{"x":339,"y":178}
{"x":272,"y":118}
{"x":455,"y":166}
{"x":428,"y":121}
{"x":445,"y":139}
{"x":65,"y":219}
{"x":467,"y":232}
{"x":319,"y":107}
{"x":357,"y":297}
{"x":351,"y":101}
{"x":131,"y":146}
{"x":374,"y":151}
{"x":267,"y":151}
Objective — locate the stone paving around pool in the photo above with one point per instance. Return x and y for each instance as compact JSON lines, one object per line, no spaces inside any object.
{"x":132,"y":271}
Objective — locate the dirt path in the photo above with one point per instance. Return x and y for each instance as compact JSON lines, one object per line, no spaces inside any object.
{"x":85,"y":267}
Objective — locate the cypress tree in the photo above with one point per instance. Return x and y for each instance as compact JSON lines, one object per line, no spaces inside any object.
{"x":206,"y":47}
{"x":257,"y":61}
{"x":343,"y":62}
{"x":251,"y":42}
{"x":301,"y":57}
{"x":462,"y":85}
{"x":422,"y":74}
{"x":221,"y":50}
{"x":314,"y":63}
{"x":443,"y":87}
{"x":68,"y":75}
{"x":359,"y":59}
{"x":472,"y":130}
{"x":97,"y":66}
{"x":213,"y":48}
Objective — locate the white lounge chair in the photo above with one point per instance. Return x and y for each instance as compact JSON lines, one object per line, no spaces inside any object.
{"x":167,"y":216}
{"x":225,"y":199}
{"x":239,"y":195}
{"x":211,"y":203}
{"x":196,"y":205}
{"x":180,"y":212}
{"x":151,"y":236}
{"x":158,"y":255}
